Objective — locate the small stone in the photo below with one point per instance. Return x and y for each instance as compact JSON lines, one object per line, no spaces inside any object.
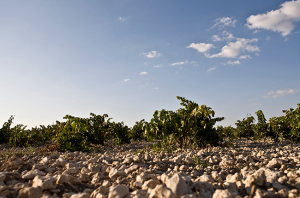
{"x":161,"y":191}
{"x":177,"y":184}
{"x":80,"y":195}
{"x":32,"y":192}
{"x":118,"y":191}
{"x":150,"y":184}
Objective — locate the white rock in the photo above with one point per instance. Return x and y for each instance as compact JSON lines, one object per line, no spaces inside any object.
{"x":137,"y":159}
{"x":177,"y":184}
{"x":96,"y":178}
{"x":32,"y":173}
{"x":205,"y":178}
{"x":71,"y":171}
{"x":106,"y":183}
{"x":94,"y":168}
{"x":81,"y":195}
{"x":114,"y":173}
{"x":45,"y":160}
{"x":128,"y":160}
{"x":257,"y":178}
{"x":147,"y":157}
{"x":84,"y":177}
{"x":205,"y":189}
{"x":150,"y":184}
{"x":2,"y":176}
{"x":100,"y":190}
{"x":161,"y":191}
{"x":59,"y":162}
{"x":139,"y":194}
{"x":223,"y":194}
{"x":32,"y":192}
{"x":62,"y":179}
{"x":275,"y":163}
{"x":45,"y":182}
{"x":119,"y":191}
{"x":227,"y":162}
{"x":131,"y":169}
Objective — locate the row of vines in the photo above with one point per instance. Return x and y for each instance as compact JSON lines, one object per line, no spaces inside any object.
{"x":191,"y":126}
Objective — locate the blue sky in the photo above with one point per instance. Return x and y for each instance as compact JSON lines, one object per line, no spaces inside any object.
{"x":128,"y":58}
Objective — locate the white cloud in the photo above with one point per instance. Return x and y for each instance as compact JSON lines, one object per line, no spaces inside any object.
{"x":234,"y":49}
{"x":201,"y":47}
{"x":244,"y":57}
{"x":278,"y":93}
{"x":121,"y":19}
{"x":225,"y":21}
{"x":210,"y":69}
{"x":155,"y":88}
{"x":268,"y":38}
{"x":216,"y":38}
{"x":228,"y":36}
{"x":194,"y":63}
{"x":179,"y":63}
{"x":143,"y":73}
{"x":280,"y":20}
{"x":125,"y":80}
{"x":255,"y":31}
{"x":152,"y":54}
{"x":233,"y":62}
{"x":157,"y":66}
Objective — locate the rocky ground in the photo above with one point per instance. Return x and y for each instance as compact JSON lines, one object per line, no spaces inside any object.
{"x":248,"y":169}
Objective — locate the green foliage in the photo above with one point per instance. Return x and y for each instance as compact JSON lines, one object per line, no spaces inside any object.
{"x":120,"y":133}
{"x":5,"y":130}
{"x":293,"y":119}
{"x":260,"y":129}
{"x":192,"y":125}
{"x":227,"y":135}
{"x":72,"y":134}
{"x":244,"y":127}
{"x":137,"y":131}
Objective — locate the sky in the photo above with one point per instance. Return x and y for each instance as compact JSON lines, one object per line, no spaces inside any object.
{"x":128,"y":58}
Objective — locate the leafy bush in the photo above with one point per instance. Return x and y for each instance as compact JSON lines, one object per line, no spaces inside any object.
{"x":244,"y":128}
{"x":137,"y":131}
{"x":5,"y":130}
{"x":192,"y":125}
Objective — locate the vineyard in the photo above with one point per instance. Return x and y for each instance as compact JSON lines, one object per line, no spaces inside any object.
{"x":191,"y":126}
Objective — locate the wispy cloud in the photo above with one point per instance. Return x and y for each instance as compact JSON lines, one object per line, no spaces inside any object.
{"x":155,"y":88}
{"x":201,"y":47}
{"x":280,"y":20}
{"x":268,"y":37}
{"x":121,"y":19}
{"x":157,"y":66}
{"x":194,"y":63}
{"x":244,"y":57}
{"x":152,"y":54}
{"x":227,"y":36}
{"x":210,"y":69}
{"x":279,"y":93}
{"x":179,"y":63}
{"x":232,"y":62}
{"x":216,"y":38}
{"x":125,"y":80}
{"x":234,"y":49}
{"x":143,"y":73}
{"x":223,"y":22}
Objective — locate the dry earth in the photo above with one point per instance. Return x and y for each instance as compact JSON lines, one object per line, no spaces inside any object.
{"x":248,"y":169}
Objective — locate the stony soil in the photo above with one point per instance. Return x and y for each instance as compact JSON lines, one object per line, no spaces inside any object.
{"x":249,"y":169}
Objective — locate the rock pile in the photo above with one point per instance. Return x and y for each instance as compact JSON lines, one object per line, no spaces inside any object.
{"x":230,"y":172}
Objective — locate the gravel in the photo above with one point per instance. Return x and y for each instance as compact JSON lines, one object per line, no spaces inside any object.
{"x":248,"y":169}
